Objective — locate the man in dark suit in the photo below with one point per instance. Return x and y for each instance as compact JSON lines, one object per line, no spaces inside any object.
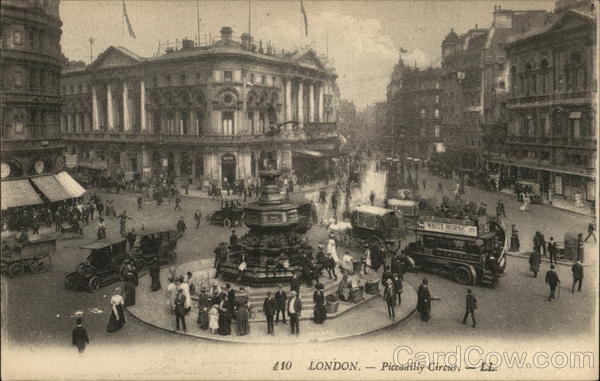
{"x":269,"y":308}
{"x":80,"y":336}
{"x":577,"y":270}
{"x":230,"y":297}
{"x":387,"y":274}
{"x":553,"y":281}
{"x":471,"y":306}
{"x":552,"y":251}
{"x":294,"y":309}
{"x":398,"y":288}
{"x":280,"y":300}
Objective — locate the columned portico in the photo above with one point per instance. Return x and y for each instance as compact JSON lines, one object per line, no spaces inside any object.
{"x":321,"y":103}
{"x":126,"y":120}
{"x":142,"y":106}
{"x":95,"y":121}
{"x":288,"y":101}
{"x":109,"y":107}
{"x":300,"y":100}
{"x":311,"y":103}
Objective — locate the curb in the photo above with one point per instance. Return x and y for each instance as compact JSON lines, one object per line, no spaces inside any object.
{"x":227,"y":339}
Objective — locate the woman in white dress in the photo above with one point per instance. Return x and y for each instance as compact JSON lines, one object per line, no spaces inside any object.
{"x":526,"y":201}
{"x":213,"y":318}
{"x":117,"y":316}
{"x":331,"y":249}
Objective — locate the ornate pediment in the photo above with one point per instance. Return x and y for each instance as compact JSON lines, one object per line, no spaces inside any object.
{"x":115,"y":57}
{"x":310,"y":59}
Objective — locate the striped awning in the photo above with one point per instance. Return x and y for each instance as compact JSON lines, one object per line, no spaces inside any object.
{"x":70,"y":185}
{"x":15,"y":193}
{"x":51,"y":188}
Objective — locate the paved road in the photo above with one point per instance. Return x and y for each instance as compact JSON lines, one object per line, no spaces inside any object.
{"x":36,"y":308}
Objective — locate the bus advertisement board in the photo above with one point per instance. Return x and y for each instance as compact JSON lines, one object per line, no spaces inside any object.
{"x":447,"y":228}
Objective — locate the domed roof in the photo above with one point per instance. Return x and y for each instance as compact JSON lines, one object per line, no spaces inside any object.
{"x":451,"y":37}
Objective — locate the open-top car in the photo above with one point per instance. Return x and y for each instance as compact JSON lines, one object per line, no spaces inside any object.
{"x":155,"y":245}
{"x":102,"y":266}
{"x":231,"y":213}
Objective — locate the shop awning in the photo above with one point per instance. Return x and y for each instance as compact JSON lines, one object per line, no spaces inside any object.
{"x":51,"y":188}
{"x":17,"y":193}
{"x":70,"y":185}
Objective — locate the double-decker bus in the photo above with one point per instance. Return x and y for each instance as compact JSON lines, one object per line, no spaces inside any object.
{"x":472,"y":251}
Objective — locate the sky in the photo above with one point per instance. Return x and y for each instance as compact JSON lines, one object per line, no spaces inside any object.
{"x":362,"y":38}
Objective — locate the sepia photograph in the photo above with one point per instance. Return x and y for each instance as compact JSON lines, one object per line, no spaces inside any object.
{"x":299,"y":189}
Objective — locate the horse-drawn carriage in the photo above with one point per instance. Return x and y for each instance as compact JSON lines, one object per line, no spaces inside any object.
{"x":376,"y":227}
{"x":21,"y":255}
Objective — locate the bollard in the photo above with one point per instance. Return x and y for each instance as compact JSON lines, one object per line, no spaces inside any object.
{"x":515,"y":244}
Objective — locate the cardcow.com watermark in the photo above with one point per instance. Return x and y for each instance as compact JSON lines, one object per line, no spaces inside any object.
{"x":475,"y":357}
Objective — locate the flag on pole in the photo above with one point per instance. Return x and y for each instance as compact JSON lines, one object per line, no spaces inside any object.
{"x":305,"y":19}
{"x":129,"y":28}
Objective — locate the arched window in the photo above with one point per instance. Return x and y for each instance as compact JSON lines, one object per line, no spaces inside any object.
{"x":544,"y":75}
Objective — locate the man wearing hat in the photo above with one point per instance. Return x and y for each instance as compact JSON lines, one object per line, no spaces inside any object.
{"x":294,"y":308}
{"x":552,"y":280}
{"x":269,"y":308}
{"x":80,"y":336}
{"x":387,"y":274}
{"x":389,"y":296}
{"x":471,"y":306}
{"x":280,"y":300}
{"x":204,"y":304}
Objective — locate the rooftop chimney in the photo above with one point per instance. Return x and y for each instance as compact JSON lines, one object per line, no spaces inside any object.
{"x":226,"y":33}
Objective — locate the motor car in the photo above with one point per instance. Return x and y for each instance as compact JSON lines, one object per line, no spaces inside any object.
{"x":155,"y":245}
{"x":103,"y":266}
{"x":230,"y":214}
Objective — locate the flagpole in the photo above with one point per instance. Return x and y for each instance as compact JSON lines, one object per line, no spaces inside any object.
{"x":198,"y":19}
{"x":250,"y":18}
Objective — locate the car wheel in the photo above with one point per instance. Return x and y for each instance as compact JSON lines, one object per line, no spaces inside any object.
{"x":16,"y":270}
{"x":94,"y":284}
{"x":226,"y":223}
{"x":462,"y":275}
{"x":41,"y":265}
{"x":123,"y":273}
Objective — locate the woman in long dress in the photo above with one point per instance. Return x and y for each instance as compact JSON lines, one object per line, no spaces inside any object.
{"x":320,"y":313}
{"x":224,"y":317}
{"x":243,"y":326}
{"x":155,"y":276}
{"x":130,"y":291}
{"x":117,"y":316}
{"x":332,"y":249}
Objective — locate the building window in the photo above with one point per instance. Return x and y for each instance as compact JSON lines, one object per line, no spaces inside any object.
{"x":264,"y":80}
{"x":154,"y":81}
{"x":228,"y":75}
{"x":437,"y":99}
{"x":436,"y":131}
{"x":168,"y":80}
{"x":228,"y":128}
{"x":199,"y":118}
{"x":251,"y":78}
{"x":422,"y":113}
{"x":437,"y":85}
{"x":251,"y":121}
{"x":274,"y":81}
{"x":437,"y":113}
{"x":575,"y":127}
{"x":18,"y":37}
{"x":31,"y":40}
{"x":182,"y":79}
{"x":18,"y":80}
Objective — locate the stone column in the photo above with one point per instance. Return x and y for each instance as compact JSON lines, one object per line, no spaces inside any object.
{"x":193,"y":126}
{"x":288,"y":101}
{"x":311,"y":103}
{"x":126,"y":120}
{"x":109,"y":107}
{"x":300,"y":98}
{"x":95,"y":122}
{"x":321,"y":103}
{"x":142,"y":106}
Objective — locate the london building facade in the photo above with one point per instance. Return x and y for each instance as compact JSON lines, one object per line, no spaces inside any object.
{"x":31,"y":64}
{"x":219,"y":113}
{"x":550,"y":115}
{"x":414,"y":98}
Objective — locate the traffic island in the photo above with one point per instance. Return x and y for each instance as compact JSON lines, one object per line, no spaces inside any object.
{"x":350,"y":320}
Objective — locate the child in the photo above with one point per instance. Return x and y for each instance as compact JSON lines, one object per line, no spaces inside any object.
{"x":213,"y":316}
